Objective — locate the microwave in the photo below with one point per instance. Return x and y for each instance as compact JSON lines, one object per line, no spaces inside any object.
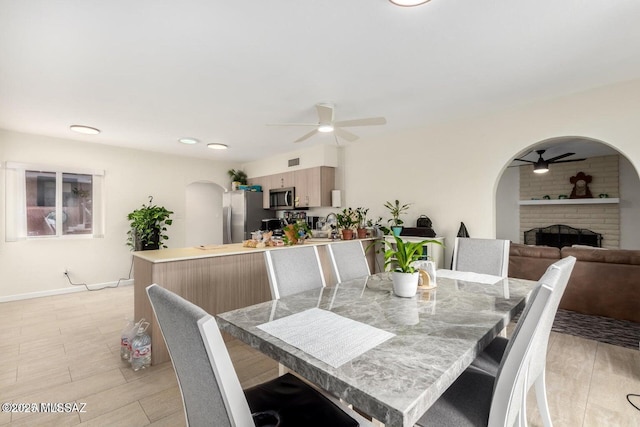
{"x":282,"y":198}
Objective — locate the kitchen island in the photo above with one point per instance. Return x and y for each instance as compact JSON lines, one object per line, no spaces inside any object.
{"x":218,"y":278}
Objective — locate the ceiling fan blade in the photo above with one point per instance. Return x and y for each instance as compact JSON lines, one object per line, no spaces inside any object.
{"x":561,"y":156}
{"x":524,"y":160}
{"x":370,"y":121}
{"x":345,"y":135}
{"x":569,"y":161}
{"x":292,"y":124}
{"x":306,"y":136}
{"x":325,"y":113}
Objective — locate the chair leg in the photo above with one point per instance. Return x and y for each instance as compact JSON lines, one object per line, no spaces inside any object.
{"x":541,"y":398}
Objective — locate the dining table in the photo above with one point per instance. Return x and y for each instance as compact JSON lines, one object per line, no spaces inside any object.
{"x":390,"y":357}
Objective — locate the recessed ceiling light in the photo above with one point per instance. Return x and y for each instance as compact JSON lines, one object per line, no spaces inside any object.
{"x":87,"y":130}
{"x":408,"y":3}
{"x":188,"y":141}
{"x":217,"y":146}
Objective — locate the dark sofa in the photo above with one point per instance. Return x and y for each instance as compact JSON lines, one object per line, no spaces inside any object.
{"x":604,"y":282}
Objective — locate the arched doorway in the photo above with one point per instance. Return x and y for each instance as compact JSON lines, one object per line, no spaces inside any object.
{"x":624,"y":183}
{"x":203,"y":213}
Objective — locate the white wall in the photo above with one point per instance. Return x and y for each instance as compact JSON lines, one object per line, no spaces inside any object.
{"x":629,"y":206}
{"x":36,"y":265}
{"x":507,"y":207}
{"x":203,"y":216}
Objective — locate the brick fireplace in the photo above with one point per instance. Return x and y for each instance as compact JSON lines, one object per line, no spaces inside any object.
{"x":597,"y":215}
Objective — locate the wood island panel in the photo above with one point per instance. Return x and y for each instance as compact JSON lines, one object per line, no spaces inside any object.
{"x":216,"y":284}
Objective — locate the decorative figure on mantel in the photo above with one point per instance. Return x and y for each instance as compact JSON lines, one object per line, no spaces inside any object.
{"x":580,"y":186}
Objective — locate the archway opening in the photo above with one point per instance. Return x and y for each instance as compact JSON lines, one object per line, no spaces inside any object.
{"x":613,"y":176}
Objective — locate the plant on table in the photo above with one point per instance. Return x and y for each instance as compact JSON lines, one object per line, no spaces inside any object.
{"x":396,"y":209}
{"x":401,"y":255}
{"x":148,"y":227}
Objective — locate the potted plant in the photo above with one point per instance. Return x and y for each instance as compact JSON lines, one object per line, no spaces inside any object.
{"x":376,"y":227}
{"x":347,"y":219}
{"x":396,"y":209}
{"x":402,"y":255}
{"x":238,"y":177}
{"x":148,"y":226}
{"x":296,"y":233}
{"x":361,"y":217}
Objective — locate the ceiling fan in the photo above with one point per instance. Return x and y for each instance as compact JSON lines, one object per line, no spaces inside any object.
{"x":326,"y":123}
{"x":541,"y":165}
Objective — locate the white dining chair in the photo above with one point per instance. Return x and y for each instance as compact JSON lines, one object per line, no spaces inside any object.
{"x":489,"y":360}
{"x":479,"y":398}
{"x":210,"y":389}
{"x":484,"y":256}
{"x":293,"y":270}
{"x":348,"y":260}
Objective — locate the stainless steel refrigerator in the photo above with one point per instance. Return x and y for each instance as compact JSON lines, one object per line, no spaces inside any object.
{"x":242,"y":213}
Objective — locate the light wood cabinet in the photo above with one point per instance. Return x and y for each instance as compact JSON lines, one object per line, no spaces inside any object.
{"x":265,"y":183}
{"x":313,"y":185}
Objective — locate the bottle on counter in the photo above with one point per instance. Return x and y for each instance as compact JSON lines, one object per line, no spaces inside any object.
{"x":141,"y":348}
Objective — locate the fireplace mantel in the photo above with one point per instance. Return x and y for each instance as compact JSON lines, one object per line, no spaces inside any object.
{"x":592,"y":201}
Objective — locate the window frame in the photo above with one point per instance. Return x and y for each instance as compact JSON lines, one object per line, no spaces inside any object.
{"x":16,"y":203}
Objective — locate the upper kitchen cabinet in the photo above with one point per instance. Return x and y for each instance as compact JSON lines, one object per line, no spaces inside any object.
{"x":313,"y":186}
{"x":282,"y":180}
{"x":265,"y":183}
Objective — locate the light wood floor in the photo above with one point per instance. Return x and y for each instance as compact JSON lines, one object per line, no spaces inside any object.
{"x":66,"y":349}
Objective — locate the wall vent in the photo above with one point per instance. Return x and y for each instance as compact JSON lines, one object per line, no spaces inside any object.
{"x":294,"y":162}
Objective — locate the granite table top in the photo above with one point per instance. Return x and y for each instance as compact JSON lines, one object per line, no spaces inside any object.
{"x":438,"y":333}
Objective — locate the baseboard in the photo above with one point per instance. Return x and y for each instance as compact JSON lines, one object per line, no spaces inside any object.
{"x":67,"y":290}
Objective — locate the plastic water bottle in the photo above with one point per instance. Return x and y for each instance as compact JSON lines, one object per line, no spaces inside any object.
{"x":141,"y":348}
{"x":125,"y":340}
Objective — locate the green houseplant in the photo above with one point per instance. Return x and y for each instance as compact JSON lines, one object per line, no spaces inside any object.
{"x":396,"y":209}
{"x":238,"y":177}
{"x":361,"y":217}
{"x":347,"y":219}
{"x":148,"y":226}
{"x":296,"y":233}
{"x":401,"y":255}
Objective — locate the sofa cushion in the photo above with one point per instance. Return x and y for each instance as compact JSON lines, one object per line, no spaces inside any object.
{"x":611,"y":256}
{"x":530,"y":262}
{"x":549,"y":252}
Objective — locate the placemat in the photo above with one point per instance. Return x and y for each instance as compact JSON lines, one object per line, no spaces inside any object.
{"x":468,"y":276}
{"x":326,"y":336}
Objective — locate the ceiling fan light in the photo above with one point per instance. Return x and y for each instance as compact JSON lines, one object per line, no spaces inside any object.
{"x":325,"y":128}
{"x":541,"y":168}
{"x":217,"y":146}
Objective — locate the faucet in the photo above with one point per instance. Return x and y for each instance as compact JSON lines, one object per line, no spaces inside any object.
{"x":332,"y":224}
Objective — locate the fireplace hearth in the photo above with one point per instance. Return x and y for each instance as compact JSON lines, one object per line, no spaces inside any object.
{"x":560,"y":235}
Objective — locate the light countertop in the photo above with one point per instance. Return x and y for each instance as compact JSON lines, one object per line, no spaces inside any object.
{"x":208,"y":251}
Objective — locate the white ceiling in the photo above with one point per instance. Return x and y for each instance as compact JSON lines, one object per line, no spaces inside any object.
{"x":149,"y":72}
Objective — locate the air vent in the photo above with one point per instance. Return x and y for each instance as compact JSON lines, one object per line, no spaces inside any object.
{"x":294,"y":162}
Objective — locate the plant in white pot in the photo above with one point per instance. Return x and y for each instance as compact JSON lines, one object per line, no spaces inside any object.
{"x":401,"y":256}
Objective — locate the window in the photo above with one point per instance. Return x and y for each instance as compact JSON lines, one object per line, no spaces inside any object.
{"x":44,"y":201}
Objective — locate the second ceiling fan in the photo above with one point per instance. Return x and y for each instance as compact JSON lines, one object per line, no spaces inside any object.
{"x":326,"y":123}
{"x":541,"y":165}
